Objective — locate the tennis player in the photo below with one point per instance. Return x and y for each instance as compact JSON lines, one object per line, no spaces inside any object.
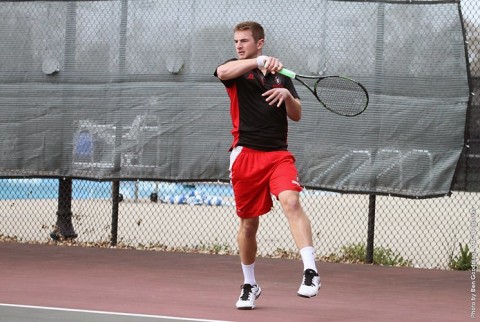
{"x":261,"y":100}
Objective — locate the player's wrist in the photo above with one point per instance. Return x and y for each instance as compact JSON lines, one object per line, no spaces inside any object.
{"x":261,"y":61}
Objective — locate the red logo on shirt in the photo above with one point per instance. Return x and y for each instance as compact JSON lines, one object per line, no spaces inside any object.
{"x":251,"y":76}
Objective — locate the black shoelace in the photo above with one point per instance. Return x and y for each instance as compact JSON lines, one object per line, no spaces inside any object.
{"x":247,"y":289}
{"x":309,"y":275}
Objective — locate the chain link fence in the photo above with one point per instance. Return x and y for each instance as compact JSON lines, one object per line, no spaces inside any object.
{"x":200,"y":216}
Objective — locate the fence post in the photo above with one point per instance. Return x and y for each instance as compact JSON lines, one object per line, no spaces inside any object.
{"x":64,"y":226}
{"x":115,"y":202}
{"x":379,"y":54}
{"x":371,"y":229}
{"x":116,"y":197}
{"x":118,"y":128}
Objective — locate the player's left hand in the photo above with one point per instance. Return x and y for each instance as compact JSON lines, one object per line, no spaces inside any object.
{"x":276,"y":96}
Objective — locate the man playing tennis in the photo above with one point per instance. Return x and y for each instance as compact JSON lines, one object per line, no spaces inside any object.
{"x":260,"y":164}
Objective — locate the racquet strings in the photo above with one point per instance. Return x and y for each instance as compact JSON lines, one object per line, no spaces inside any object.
{"x":341,"y":95}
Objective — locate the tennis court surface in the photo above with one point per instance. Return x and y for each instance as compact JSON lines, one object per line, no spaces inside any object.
{"x":59,"y":283}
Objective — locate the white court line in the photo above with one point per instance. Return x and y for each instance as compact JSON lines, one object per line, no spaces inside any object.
{"x":108,"y":313}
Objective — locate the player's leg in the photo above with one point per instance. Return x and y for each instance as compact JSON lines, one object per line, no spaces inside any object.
{"x":302,"y":234}
{"x":247,"y":244}
{"x":247,"y":239}
{"x":297,"y":219}
{"x":252,"y":199}
{"x":284,"y":184}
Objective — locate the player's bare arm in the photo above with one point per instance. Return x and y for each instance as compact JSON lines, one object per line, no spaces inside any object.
{"x":236,"y":68}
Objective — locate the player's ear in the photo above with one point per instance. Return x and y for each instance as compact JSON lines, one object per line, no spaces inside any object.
{"x":260,"y":43}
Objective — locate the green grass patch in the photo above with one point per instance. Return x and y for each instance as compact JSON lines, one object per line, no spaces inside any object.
{"x":357,"y":253}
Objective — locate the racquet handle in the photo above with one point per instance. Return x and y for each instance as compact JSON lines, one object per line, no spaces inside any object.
{"x":287,"y":72}
{"x":283,"y":71}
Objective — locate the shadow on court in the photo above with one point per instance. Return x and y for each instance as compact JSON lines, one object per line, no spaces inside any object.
{"x":58,"y":283}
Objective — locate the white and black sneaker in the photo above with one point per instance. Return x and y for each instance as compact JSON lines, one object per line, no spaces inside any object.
{"x":248,"y":295}
{"x":310,"y":284}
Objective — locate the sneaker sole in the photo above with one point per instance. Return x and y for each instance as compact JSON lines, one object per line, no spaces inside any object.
{"x":306,"y":296}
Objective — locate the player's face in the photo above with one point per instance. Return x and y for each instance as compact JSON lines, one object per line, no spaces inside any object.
{"x":246,"y":46}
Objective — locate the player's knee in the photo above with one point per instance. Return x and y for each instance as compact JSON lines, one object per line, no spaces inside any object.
{"x":291,"y":204}
{"x":248,"y":228}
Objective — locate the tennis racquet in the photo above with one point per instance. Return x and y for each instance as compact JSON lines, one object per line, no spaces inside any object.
{"x":338,"y":94}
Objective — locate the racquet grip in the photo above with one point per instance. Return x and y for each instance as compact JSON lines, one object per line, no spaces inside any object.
{"x":287,"y":72}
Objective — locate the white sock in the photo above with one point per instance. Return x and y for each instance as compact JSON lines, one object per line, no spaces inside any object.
{"x":308,"y":258}
{"x":249,"y":274}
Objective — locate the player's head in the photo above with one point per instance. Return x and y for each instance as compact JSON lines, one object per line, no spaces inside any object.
{"x":249,"y":38}
{"x":256,"y":29}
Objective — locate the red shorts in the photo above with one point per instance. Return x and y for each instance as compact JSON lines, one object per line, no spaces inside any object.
{"x":255,"y":175}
